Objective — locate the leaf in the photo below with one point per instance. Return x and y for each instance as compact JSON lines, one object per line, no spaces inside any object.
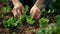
{"x":6,"y":9}
{"x":29,"y":20}
{"x":43,"y":22}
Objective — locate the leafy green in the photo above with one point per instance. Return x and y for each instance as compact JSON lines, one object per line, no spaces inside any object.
{"x":13,"y":32}
{"x":29,"y":20}
{"x":6,"y":9}
{"x":43,"y":22}
{"x":1,"y":16}
{"x":51,"y":28}
{"x":57,"y":18}
{"x":2,"y":0}
{"x":12,"y":22}
{"x":44,"y":13}
{"x":9,"y":22}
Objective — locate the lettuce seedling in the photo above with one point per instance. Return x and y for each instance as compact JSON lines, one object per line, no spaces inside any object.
{"x":9,"y":23}
{"x":1,"y":16}
{"x":49,"y":30}
{"x":43,"y":22}
{"x":2,"y":0}
{"x":20,"y":19}
{"x":57,"y":18}
{"x":6,"y":9}
{"x":29,"y":20}
{"x":44,"y":12}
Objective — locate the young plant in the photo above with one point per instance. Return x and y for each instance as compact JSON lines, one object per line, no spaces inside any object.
{"x":19,"y":21}
{"x":57,"y":18}
{"x":43,"y":22}
{"x":1,"y":16}
{"x":13,"y":32}
{"x":26,"y":9}
{"x":44,"y":12}
{"x":29,"y":20}
{"x":10,"y":22}
{"x":6,"y":9}
{"x":2,"y":0}
{"x":49,"y":30}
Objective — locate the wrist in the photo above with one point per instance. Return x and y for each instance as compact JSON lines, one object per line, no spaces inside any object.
{"x":39,"y":3}
{"x":37,"y":6}
{"x":16,"y":2}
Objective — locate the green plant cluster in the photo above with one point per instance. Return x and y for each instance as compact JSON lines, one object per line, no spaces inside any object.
{"x":57,"y":18}
{"x":43,"y":22}
{"x":6,"y":9}
{"x":54,"y":7}
{"x":12,"y":22}
{"x":49,"y":30}
{"x":3,"y":1}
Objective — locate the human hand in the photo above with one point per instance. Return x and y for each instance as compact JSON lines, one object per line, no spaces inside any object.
{"x":18,"y":10}
{"x":35,"y":11}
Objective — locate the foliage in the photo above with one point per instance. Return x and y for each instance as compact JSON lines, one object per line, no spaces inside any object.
{"x":6,"y":9}
{"x":1,"y":16}
{"x":44,"y":13}
{"x":2,"y":0}
{"x":51,"y":28}
{"x":10,"y":22}
{"x":29,"y":20}
{"x":57,"y":18}
{"x":13,"y":32}
{"x":43,"y":22}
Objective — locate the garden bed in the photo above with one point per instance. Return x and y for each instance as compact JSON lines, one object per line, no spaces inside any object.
{"x":47,"y":24}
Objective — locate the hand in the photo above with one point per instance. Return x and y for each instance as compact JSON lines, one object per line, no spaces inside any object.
{"x":18,"y":10}
{"x":35,"y":11}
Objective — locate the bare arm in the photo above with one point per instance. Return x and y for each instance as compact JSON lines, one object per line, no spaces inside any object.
{"x":16,"y":2}
{"x":18,"y":8}
{"x":39,"y":3}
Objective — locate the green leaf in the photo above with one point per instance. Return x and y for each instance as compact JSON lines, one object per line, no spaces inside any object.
{"x":29,"y":20}
{"x":6,"y":9}
{"x":43,"y":22}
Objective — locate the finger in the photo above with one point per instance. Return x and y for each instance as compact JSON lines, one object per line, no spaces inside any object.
{"x":22,"y":10}
{"x":14,"y":13}
{"x":38,"y":15}
{"x":33,"y":14}
{"x":19,"y":12}
{"x":31,"y":11}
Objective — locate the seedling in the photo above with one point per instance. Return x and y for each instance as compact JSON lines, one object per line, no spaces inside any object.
{"x":44,"y":12}
{"x":51,"y":28}
{"x":6,"y":9}
{"x":29,"y":20}
{"x":43,"y":22}
{"x":57,"y":18}
{"x":2,"y":0}
{"x":9,"y":23}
